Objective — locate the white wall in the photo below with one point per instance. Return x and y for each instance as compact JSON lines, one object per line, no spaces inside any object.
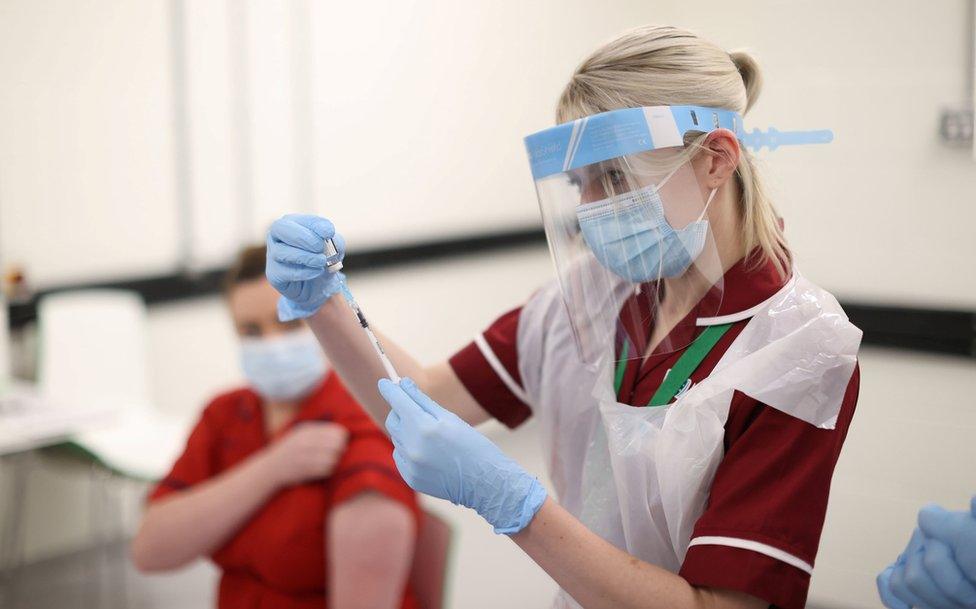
{"x":86,"y":149}
{"x":403,"y":121}
{"x":911,"y":442}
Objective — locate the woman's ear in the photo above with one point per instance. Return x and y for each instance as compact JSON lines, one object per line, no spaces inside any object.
{"x":721,"y":157}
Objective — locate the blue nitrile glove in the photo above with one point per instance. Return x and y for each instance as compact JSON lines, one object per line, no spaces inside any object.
{"x":886,"y":587}
{"x":440,"y":455}
{"x":938,"y":568}
{"x":296,"y":264}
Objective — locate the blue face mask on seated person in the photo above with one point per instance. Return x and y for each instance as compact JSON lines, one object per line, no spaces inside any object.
{"x":630,"y":235}
{"x":283,"y":368}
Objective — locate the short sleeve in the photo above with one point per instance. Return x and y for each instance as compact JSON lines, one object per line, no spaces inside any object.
{"x":488,"y":367}
{"x":197,"y":462}
{"x":367,"y":464}
{"x":761,"y":529}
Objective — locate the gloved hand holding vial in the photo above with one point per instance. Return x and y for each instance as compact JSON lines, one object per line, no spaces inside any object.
{"x":295,"y":270}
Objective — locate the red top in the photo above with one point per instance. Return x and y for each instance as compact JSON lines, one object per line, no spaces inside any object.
{"x":761,"y":527}
{"x":277,"y":559}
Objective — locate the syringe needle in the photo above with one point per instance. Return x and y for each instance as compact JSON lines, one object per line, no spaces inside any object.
{"x":333,"y":260}
{"x":387,"y":364}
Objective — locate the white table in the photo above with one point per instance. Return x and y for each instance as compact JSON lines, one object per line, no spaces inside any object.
{"x":29,"y":422}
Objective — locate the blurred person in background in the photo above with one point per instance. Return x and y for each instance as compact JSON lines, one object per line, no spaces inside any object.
{"x":693,"y":390}
{"x":286,"y":484}
{"x":937,"y":570}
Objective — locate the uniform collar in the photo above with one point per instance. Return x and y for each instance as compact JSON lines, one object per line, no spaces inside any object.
{"x":746,"y":287}
{"x":313,"y":407}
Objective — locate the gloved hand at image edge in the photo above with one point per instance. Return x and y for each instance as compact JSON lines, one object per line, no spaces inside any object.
{"x":296,"y":264}
{"x":938,"y":568}
{"x":440,"y":455}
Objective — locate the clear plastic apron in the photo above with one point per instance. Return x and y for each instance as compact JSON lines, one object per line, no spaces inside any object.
{"x":639,"y":477}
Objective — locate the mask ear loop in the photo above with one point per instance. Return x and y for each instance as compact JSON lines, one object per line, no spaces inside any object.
{"x":708,"y":202}
{"x":670,"y":175}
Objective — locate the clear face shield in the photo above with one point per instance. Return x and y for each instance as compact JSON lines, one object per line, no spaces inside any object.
{"x":626,"y":218}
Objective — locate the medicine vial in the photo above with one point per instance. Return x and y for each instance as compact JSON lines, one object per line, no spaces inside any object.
{"x":333,"y":261}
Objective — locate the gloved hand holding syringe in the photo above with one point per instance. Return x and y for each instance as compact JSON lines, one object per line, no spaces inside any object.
{"x":333,"y":264}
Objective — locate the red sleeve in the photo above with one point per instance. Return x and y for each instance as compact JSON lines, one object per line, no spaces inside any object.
{"x":367,"y":464}
{"x":198,"y":461}
{"x":488,"y":369}
{"x":761,"y":528}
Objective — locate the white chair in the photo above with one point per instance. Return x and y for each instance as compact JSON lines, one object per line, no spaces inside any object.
{"x":92,"y":351}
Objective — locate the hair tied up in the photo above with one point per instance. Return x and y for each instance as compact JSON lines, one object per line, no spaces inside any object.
{"x":656,"y":65}
{"x":751,"y":76}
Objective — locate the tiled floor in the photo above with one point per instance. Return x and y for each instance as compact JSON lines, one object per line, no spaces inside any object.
{"x":105,"y":579}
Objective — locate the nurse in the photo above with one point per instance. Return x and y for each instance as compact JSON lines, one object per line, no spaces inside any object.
{"x":692,"y":387}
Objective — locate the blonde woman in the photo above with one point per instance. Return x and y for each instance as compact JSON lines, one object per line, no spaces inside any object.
{"x":693,"y":389}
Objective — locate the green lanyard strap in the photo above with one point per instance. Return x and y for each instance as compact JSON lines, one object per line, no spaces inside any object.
{"x":683,"y":368}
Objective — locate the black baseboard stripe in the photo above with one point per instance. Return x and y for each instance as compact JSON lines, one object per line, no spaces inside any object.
{"x":916,"y":328}
{"x":932,"y":330}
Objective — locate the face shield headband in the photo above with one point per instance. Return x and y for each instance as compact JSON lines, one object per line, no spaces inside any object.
{"x":619,"y":133}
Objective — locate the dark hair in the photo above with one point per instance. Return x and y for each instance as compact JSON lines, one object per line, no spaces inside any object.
{"x":248,"y":266}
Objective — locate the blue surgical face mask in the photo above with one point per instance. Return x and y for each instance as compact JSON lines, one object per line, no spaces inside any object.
{"x":283,"y":368}
{"x":630,"y":235}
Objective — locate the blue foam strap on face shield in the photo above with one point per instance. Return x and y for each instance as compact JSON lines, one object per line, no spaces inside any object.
{"x":773,"y":138}
{"x":617,"y":133}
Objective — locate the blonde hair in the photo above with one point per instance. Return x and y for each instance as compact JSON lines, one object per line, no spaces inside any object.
{"x":667,"y":66}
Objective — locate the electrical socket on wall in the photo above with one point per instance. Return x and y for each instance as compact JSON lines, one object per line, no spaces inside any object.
{"x":956,"y":127}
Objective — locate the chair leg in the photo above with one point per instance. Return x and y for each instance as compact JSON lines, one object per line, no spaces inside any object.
{"x":96,"y":504}
{"x":118,"y":574}
{"x":12,"y":532}
{"x":108,"y":585}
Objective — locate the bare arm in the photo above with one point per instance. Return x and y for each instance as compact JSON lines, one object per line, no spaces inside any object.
{"x":193,"y":523}
{"x":353,"y":357}
{"x":370,"y":548}
{"x":600,"y":576}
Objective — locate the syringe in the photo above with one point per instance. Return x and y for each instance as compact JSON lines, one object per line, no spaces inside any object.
{"x":333,"y":263}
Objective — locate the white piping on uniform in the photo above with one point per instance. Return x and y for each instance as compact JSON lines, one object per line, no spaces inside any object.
{"x":499,"y":369}
{"x":754,"y":546}
{"x":734,"y":317}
